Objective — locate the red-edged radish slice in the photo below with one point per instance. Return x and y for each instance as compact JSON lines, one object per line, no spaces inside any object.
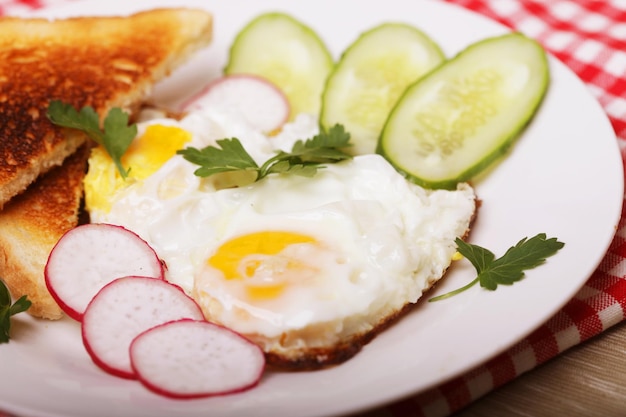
{"x":193,"y":359}
{"x":125,"y":308}
{"x":90,"y":256}
{"x":263,"y":105}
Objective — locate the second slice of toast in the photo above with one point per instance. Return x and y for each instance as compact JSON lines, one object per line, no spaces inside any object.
{"x":103,"y":62}
{"x":30,"y":226}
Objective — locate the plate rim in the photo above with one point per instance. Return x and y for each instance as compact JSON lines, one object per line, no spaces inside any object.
{"x":573,"y":291}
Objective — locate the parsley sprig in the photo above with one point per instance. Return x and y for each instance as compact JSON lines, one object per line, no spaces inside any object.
{"x":115,"y":136}
{"x":508,"y":269}
{"x":7,"y":310}
{"x":305,"y":158}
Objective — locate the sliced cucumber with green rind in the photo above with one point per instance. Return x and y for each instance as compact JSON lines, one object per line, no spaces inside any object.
{"x":371,"y":75}
{"x":456,"y":121}
{"x":288,"y":53}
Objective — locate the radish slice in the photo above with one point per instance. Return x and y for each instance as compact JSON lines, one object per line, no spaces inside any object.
{"x":192,"y":359}
{"x":263,"y":105}
{"x":88,"y":257}
{"x":125,"y":308}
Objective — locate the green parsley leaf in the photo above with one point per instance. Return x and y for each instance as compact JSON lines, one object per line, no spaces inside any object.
{"x":5,"y":297}
{"x":22,"y":304}
{"x":116,"y":135}
{"x":7,"y":310}
{"x":230,"y":156}
{"x":305,"y":157}
{"x":508,"y":269}
{"x":5,"y":324}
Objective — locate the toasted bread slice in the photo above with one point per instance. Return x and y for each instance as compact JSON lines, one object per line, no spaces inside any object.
{"x":30,"y":226}
{"x":103,"y":62}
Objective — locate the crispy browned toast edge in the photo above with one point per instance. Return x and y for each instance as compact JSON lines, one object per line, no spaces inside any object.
{"x":30,"y":226}
{"x":35,"y":214}
{"x":103,"y":62}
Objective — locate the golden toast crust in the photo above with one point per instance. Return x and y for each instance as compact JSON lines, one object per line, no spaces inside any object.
{"x":103,"y":62}
{"x":30,"y":226}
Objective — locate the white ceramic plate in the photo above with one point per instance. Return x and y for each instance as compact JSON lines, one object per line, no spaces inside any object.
{"x":564,"y":177}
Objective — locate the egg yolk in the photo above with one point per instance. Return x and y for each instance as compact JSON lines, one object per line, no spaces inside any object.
{"x":265,"y":260}
{"x":146,"y":154}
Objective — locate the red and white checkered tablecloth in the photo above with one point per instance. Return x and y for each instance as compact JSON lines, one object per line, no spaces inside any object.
{"x":589,"y":36}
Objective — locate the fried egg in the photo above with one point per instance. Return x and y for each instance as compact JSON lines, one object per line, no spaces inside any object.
{"x":305,"y":267}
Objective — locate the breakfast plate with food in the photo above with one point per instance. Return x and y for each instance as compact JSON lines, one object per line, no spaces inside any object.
{"x":279,"y":208}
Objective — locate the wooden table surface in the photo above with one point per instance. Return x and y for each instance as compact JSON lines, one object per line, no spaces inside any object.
{"x":588,"y":380}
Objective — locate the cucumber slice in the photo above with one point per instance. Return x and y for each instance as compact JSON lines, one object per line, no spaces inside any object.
{"x":288,"y":53}
{"x":460,"y":118}
{"x":371,"y":75}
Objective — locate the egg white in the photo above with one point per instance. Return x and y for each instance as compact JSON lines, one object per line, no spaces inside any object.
{"x":380,"y":240}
